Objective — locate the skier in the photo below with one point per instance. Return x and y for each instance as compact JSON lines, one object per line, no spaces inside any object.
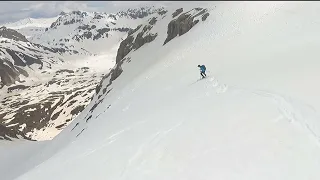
{"x":202,"y":71}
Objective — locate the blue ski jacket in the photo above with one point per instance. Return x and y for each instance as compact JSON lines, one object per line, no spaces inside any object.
{"x":202,"y":68}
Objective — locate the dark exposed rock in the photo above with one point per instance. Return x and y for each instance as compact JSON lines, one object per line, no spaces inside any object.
{"x":177,"y":12}
{"x":77,"y":110}
{"x":16,"y":59}
{"x":130,"y":43}
{"x":64,"y":70}
{"x":71,"y":103}
{"x":162,"y":12}
{"x":104,"y":90}
{"x":80,"y":133}
{"x":93,"y":107}
{"x":12,"y":34}
{"x":24,"y":59}
{"x":74,"y":126}
{"x":61,"y":125}
{"x":56,"y":115}
{"x":84,"y":27}
{"x":17,"y":87}
{"x":182,"y":24}
{"x":88,"y":118}
{"x":121,"y":29}
{"x":39,"y":116}
{"x":85,"y":35}
{"x":140,"y":41}
{"x":30,"y":60}
{"x":60,"y":20}
{"x":72,"y":21}
{"x":204,"y":17}
{"x":68,"y":120}
{"x":101,"y":32}
{"x":124,"y":48}
{"x":8,"y":73}
{"x":21,"y":71}
{"x":18,"y":103}
{"x":98,"y":16}
{"x":62,"y":13}
{"x":71,"y":97}
{"x":8,"y":133}
{"x":141,"y":12}
{"x":21,"y":48}
{"x":134,"y":30}
{"x":153,"y":21}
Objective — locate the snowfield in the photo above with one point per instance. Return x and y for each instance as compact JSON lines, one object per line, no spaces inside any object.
{"x":255,"y":117}
{"x":31,"y":22}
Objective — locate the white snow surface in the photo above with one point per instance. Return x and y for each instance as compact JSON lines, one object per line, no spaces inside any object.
{"x":256,"y":115}
{"x":31,"y":22}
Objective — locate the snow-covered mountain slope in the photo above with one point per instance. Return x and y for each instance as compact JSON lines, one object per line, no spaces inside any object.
{"x":37,"y":101}
{"x":31,"y":22}
{"x":41,"y":111}
{"x":18,"y":57}
{"x":31,"y":26}
{"x":92,"y":32}
{"x":256,"y":115}
{"x":40,"y":91}
{"x":32,"y":95}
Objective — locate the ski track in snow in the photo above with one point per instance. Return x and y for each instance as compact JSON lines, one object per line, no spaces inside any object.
{"x":295,"y":112}
{"x":288,"y":108}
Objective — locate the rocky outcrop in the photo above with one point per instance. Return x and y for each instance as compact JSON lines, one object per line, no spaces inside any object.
{"x":10,"y":69}
{"x":12,"y":34}
{"x":8,"y":73}
{"x":140,"y":40}
{"x":184,"y":22}
{"x":9,"y":133}
{"x":134,"y":43}
{"x":141,"y":12}
{"x":17,"y":87}
{"x":17,"y":55}
{"x":153,"y":21}
{"x":124,"y":48}
{"x":177,"y":12}
{"x":23,"y":59}
{"x":204,"y":17}
{"x":30,"y":110}
{"x":134,"y":30}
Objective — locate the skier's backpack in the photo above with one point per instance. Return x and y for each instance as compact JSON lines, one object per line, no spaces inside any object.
{"x":204,"y":67}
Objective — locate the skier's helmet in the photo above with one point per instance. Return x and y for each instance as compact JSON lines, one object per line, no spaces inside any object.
{"x":198,"y":65}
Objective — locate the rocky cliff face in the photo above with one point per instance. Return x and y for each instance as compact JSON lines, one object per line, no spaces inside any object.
{"x":12,"y":34}
{"x":184,"y":22}
{"x":137,"y":38}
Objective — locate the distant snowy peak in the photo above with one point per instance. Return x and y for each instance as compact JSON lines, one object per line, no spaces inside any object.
{"x":81,"y":30}
{"x":91,"y":17}
{"x":31,"y":22}
{"x":141,"y":12}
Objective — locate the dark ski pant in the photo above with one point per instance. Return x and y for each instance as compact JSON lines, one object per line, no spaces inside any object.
{"x":203,"y":74}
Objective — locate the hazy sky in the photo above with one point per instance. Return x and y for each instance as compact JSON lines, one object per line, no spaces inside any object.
{"x":15,"y":10}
